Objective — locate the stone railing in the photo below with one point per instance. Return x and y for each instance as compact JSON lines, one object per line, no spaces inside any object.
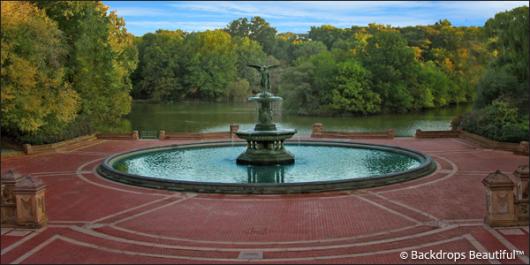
{"x":518,"y":148}
{"x":163,"y":135}
{"x":488,"y":143}
{"x":193,"y":136}
{"x":318,"y":132}
{"x":22,"y":201}
{"x":30,"y":149}
{"x":134,"y":135}
{"x":507,"y":198}
{"x":437,"y":134}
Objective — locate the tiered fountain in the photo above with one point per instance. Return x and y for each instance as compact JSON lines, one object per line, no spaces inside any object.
{"x":265,"y":143}
{"x":265,"y":166}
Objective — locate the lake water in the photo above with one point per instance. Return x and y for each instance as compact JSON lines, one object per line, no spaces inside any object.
{"x":208,"y":117}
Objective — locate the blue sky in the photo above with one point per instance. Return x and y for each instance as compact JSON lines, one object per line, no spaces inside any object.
{"x":298,"y":16}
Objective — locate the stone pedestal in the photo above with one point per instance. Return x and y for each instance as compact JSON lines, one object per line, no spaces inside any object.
{"x":8,"y":208}
{"x":391,"y":133}
{"x":521,"y":174}
{"x":523,"y":147}
{"x":27,"y":149}
{"x":162,"y":135}
{"x":233,"y":129}
{"x":135,"y":135}
{"x":499,"y":199}
{"x":31,"y":205}
{"x":317,"y":129}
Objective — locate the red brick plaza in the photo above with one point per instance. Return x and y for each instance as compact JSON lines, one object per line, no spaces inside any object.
{"x":94,"y":220}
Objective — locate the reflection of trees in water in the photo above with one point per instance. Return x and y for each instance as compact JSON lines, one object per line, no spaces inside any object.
{"x":266,"y":174}
{"x":121,"y":166}
{"x":384,"y":163}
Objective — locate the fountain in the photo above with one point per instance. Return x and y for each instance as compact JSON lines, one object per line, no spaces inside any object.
{"x":263,"y":165}
{"x":265,"y":143}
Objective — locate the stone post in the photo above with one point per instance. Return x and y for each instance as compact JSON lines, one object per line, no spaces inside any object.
{"x":523,"y":147}
{"x":317,"y":129}
{"x":499,"y":199}
{"x":27,"y":149}
{"x":390,"y":133}
{"x":233,"y":129}
{"x":31,"y":205}
{"x":162,"y":135}
{"x":521,"y":174}
{"x":8,"y":206}
{"x":418,"y":132}
{"x":135,"y":135}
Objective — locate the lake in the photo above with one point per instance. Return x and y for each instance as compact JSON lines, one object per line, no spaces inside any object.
{"x":208,"y":117}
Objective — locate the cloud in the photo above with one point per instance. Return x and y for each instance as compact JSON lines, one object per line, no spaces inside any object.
{"x":299,"y":16}
{"x":185,"y":25}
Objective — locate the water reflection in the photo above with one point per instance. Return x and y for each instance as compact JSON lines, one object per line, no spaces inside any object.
{"x":207,"y":117}
{"x":266,"y":174}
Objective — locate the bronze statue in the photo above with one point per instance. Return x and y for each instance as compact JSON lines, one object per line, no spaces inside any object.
{"x":265,"y":77}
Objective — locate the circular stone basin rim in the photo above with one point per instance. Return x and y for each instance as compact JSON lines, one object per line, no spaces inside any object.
{"x":426,"y":167}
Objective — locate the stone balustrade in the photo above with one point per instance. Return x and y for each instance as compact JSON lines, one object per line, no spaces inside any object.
{"x":319,"y":132}
{"x":437,"y":134}
{"x":506,"y":199}
{"x":23,"y":201}
{"x":30,"y":149}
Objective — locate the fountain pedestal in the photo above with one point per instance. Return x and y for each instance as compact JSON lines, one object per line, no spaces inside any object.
{"x":265,"y":143}
{"x":266,"y":147}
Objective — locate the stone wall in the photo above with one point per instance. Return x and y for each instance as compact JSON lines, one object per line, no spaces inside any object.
{"x":119,"y":136}
{"x":518,"y":148}
{"x":30,"y":149}
{"x":195,"y":136}
{"x":437,"y":134}
{"x":319,"y":132}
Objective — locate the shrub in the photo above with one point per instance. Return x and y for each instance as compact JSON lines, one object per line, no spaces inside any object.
{"x":499,"y":121}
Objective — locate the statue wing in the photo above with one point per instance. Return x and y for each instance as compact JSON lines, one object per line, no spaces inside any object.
{"x":254,"y":66}
{"x":272,"y":66}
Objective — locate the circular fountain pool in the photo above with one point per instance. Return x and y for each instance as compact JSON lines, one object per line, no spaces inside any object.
{"x":319,"y":166}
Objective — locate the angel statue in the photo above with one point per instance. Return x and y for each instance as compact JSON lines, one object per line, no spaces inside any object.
{"x":264,"y":71}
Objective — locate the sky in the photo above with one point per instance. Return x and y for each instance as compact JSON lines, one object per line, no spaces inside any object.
{"x":298,"y":16}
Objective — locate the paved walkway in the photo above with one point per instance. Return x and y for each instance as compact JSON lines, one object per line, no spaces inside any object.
{"x":94,"y":220}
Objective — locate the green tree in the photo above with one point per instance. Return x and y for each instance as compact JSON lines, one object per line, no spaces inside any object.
{"x":351,"y":90}
{"x":248,"y":52}
{"x":507,"y":76}
{"x":101,"y":56}
{"x":159,"y":72}
{"x":393,"y":67}
{"x":210,"y":64}
{"x":34,"y":95}
{"x":307,"y":49}
{"x":256,"y":29}
{"x":326,"y":34}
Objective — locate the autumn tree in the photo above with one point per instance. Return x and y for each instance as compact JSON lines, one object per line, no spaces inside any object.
{"x":35,"y":96}
{"x":101,"y":58}
{"x":210,"y":64}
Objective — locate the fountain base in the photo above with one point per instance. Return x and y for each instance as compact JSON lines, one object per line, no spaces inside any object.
{"x":266,"y":147}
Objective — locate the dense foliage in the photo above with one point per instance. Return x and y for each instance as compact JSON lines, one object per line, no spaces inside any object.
{"x":501,"y":108}
{"x":65,"y":69}
{"x":357,"y":70}
{"x":71,"y":67}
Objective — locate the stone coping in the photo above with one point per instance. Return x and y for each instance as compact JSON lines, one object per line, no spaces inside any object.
{"x":426,"y":167}
{"x":29,"y":149}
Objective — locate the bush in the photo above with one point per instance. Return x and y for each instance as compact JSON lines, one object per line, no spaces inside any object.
{"x":499,"y":121}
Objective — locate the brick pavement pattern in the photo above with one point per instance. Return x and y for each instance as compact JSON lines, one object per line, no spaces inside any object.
{"x":94,"y":220}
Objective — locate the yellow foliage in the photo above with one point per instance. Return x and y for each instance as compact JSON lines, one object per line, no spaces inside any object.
{"x":31,"y":77}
